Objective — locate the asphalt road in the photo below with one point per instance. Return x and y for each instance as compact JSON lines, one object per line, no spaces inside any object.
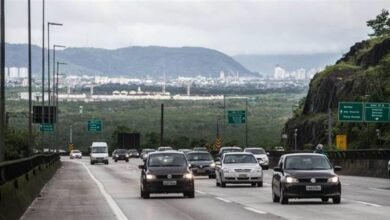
{"x":82,"y":191}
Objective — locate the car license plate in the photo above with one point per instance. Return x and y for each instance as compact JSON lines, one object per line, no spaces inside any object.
{"x":169,"y":183}
{"x":242,"y":175}
{"x":313,"y":188}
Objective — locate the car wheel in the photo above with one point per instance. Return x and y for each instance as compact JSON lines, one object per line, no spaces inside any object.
{"x":260,"y":184}
{"x":127,"y":161}
{"x":116,"y":161}
{"x":106,"y":162}
{"x":282,"y":199}
{"x":325,"y":199}
{"x":190,"y":194}
{"x":336,"y":200}
{"x":92,"y":163}
{"x":275,"y":198}
{"x":266,"y":168}
{"x":223,"y":184}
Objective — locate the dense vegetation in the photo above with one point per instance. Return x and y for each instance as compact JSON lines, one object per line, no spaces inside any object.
{"x":187,"y":123}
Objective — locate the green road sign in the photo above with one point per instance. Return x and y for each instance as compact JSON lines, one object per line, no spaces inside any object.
{"x":236,"y":117}
{"x":351,"y":111}
{"x":95,"y":126}
{"x":377,"y":112}
{"x":49,"y":128}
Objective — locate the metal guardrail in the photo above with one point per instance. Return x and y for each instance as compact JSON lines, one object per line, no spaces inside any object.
{"x":10,"y":170}
{"x":372,"y":154}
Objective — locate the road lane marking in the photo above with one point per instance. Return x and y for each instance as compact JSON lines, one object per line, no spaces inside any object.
{"x":223,"y":200}
{"x":365,"y":203}
{"x":382,"y":190}
{"x":255,"y":210}
{"x":114,"y":207}
{"x":266,"y":184}
{"x":345,"y":184}
{"x":200,"y":192}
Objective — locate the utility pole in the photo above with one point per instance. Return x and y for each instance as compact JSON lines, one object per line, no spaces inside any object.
{"x":43,"y":68}
{"x":329,"y":127}
{"x":30,"y":141}
{"x":295,"y":138}
{"x":162,"y":126}
{"x":2,"y":81}
{"x":246,"y":122}
{"x":70,"y":134}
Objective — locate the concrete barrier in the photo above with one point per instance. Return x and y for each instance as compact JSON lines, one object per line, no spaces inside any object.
{"x":17,"y":194}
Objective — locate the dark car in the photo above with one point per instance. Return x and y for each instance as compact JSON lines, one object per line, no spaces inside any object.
{"x":166,"y":172}
{"x":145,"y":152}
{"x":133,"y":153}
{"x":120,"y":154}
{"x":199,"y":149}
{"x":202,"y":163}
{"x":305,"y":175}
{"x":227,"y":150}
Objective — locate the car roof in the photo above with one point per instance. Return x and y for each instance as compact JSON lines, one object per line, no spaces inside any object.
{"x":235,"y":147}
{"x":199,"y":152}
{"x":166,"y":152}
{"x":253,"y":148}
{"x":303,"y":154}
{"x":239,"y":153}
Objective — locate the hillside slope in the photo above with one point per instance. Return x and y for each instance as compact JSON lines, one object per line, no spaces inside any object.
{"x":134,"y":61}
{"x":361,"y":75}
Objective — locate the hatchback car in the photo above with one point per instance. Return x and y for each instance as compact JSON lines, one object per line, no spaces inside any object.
{"x":305,"y":175}
{"x":75,"y":154}
{"x":238,"y":167}
{"x":166,"y":172}
{"x":120,"y":154}
{"x":201,"y":163}
{"x":261,"y":156}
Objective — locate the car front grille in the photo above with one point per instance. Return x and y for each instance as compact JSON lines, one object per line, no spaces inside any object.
{"x":308,"y":180}
{"x":242,"y":170}
{"x":166,"y":177}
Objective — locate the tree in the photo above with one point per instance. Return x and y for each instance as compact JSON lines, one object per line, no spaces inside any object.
{"x":380,"y":25}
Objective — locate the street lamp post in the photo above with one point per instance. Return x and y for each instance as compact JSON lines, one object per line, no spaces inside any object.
{"x":2,"y":81}
{"x":29,"y":83}
{"x":56,"y":90}
{"x":54,"y":72}
{"x":295,"y":138}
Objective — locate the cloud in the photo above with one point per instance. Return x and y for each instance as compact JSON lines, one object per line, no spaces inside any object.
{"x":234,"y":27}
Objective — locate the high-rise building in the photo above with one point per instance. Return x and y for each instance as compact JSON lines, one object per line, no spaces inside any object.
{"x":279,"y":72}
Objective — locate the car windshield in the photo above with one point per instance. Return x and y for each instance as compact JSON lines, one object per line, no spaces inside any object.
{"x":255,"y":151}
{"x":199,"y":157}
{"x":239,"y":158}
{"x":167,"y":160}
{"x":76,"y":151}
{"x":199,"y":148}
{"x":121,"y":151}
{"x":133,"y":151}
{"x":99,"y":150}
{"x":164,"y":148}
{"x":307,"y":162}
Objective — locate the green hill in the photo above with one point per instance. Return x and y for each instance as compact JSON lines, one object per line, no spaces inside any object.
{"x":361,"y":75}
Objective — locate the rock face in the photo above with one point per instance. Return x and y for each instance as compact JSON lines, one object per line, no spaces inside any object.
{"x":362,"y":75}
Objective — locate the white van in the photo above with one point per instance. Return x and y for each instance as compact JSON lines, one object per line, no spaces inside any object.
{"x":99,"y":153}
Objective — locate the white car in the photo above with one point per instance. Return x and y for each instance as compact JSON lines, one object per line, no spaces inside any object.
{"x":75,"y":154}
{"x":99,"y":153}
{"x":260,"y":155}
{"x":238,"y":167}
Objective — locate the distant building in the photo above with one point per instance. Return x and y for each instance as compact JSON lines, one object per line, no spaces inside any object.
{"x":13,"y":72}
{"x":222,"y":75}
{"x":279,"y":73}
{"x":23,"y":72}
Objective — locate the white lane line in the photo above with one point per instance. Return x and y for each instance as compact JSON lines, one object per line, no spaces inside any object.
{"x":224,"y":200}
{"x":266,"y":184}
{"x":382,"y":190}
{"x":365,"y":203}
{"x":255,"y":210}
{"x":345,"y":184}
{"x":115,"y":208}
{"x":200,"y":192}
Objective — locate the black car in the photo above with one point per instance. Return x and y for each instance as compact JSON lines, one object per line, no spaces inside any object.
{"x":133,"y":153}
{"x":305,"y":175}
{"x":120,"y":154}
{"x":166,"y":172}
{"x":202,"y":163}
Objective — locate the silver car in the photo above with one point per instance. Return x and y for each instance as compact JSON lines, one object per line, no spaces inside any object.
{"x":238,"y":167}
{"x":261,"y":156}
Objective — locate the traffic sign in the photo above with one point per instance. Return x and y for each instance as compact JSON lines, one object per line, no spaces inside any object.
{"x":377,"y":112}
{"x":341,"y":142}
{"x":351,"y":111}
{"x":236,"y":117}
{"x":47,"y":128}
{"x":95,"y":126}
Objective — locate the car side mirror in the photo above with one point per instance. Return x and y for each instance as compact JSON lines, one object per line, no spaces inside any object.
{"x":142,"y":167}
{"x":218,"y":163}
{"x":278,"y":169}
{"x":189,"y":165}
{"x":337,"y":168}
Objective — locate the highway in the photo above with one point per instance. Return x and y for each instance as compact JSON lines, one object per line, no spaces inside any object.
{"x":82,"y":191}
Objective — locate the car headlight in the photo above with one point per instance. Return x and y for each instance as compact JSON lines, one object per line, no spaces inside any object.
{"x":127,"y":155}
{"x":257,"y":170}
{"x":116,"y":155}
{"x":226,"y":170}
{"x":212,"y":165}
{"x":150,"y":176}
{"x":290,"y":179}
{"x":188,"y":176}
{"x":334,"y":179}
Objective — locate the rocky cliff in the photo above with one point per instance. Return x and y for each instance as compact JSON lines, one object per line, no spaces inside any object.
{"x":361,"y":75}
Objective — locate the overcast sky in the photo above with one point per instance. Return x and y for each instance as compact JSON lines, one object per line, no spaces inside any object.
{"x":233,"y":27}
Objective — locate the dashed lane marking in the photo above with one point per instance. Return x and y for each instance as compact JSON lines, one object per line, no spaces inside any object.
{"x":223,"y":200}
{"x":200,"y":192}
{"x":365,"y":203}
{"x":255,"y":210}
{"x":377,"y":189}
